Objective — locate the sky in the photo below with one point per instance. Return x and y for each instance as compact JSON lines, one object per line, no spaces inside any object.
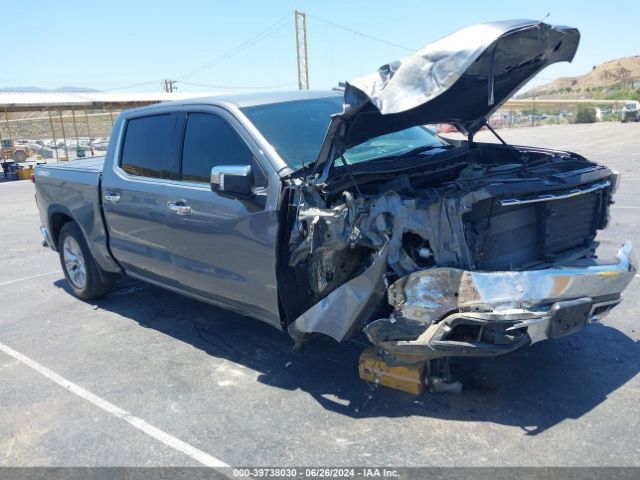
{"x":211,"y":46}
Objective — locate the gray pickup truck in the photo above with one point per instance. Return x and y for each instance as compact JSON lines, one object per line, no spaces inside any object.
{"x":333,"y":213}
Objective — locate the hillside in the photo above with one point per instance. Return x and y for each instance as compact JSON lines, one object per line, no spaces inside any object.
{"x":613,"y":79}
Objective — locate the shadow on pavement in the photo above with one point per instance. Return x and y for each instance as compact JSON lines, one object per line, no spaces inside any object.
{"x":534,"y":389}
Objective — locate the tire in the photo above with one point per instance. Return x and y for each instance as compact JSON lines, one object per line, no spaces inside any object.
{"x":19,"y":156}
{"x":84,"y":277}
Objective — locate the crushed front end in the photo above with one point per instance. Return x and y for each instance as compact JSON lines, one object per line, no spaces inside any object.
{"x":478,"y":251}
{"x":452,"y":312}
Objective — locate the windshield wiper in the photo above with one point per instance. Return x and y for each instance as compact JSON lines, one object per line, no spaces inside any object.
{"x":422,"y":149}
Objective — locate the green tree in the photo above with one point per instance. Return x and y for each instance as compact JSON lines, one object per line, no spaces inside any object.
{"x":586,"y":114}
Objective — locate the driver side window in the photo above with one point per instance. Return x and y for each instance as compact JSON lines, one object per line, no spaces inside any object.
{"x":209,"y":141}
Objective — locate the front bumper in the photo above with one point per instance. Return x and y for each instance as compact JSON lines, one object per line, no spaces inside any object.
{"x":443,"y":312}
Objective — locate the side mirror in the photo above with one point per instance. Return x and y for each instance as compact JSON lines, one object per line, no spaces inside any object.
{"x":232,"y":179}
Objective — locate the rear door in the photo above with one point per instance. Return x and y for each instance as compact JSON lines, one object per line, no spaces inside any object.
{"x":135,"y":196}
{"x":224,"y":247}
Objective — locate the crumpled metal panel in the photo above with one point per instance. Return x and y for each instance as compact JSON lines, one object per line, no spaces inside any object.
{"x":459,"y":79}
{"x":377,"y":221}
{"x":326,"y":229}
{"x":347,"y":306}
{"x":413,"y":81}
{"x":430,"y":303}
{"x":427,"y":295}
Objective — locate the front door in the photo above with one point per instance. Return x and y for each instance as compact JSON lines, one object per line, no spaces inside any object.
{"x":223,"y":247}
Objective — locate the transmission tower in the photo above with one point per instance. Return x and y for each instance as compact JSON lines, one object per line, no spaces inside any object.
{"x":301,"y":50}
{"x":169,"y":86}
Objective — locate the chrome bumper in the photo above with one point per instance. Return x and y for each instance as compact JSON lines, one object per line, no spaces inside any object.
{"x":504,"y":310}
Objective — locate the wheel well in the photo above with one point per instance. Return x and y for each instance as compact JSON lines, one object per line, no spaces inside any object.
{"x":57,"y":222}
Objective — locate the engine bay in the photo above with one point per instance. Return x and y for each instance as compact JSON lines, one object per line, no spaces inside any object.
{"x":351,"y":241}
{"x":482,"y":208}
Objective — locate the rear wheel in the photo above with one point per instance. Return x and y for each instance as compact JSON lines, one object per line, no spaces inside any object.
{"x":85,"y":278}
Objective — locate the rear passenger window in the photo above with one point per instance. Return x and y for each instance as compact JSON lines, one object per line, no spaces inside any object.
{"x":144,"y":145}
{"x":209,"y":140}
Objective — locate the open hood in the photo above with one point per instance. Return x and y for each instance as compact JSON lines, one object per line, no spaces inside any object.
{"x":460,"y":79}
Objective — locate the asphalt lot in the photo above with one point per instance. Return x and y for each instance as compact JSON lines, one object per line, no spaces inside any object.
{"x":230,"y":386}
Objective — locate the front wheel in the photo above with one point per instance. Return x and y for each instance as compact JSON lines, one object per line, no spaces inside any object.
{"x":85,"y":278}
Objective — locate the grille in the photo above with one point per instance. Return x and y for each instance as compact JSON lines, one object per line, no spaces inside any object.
{"x":508,"y":237}
{"x":569,"y":223}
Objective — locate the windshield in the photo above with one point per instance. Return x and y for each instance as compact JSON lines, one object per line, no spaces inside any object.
{"x":296,"y":131}
{"x":630,"y":106}
{"x":395,"y":143}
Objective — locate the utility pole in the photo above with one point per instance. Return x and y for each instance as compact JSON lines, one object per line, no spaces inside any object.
{"x":301,"y":50}
{"x":64,"y":136}
{"x":168,"y":86}
{"x":533,"y":114}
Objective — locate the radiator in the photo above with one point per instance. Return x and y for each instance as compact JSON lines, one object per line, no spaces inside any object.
{"x":510,"y":237}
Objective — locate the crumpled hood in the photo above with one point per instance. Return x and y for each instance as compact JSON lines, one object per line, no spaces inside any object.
{"x":460,"y":79}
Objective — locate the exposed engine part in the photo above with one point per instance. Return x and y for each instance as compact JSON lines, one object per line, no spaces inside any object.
{"x":477,"y":250}
{"x":462,"y":221}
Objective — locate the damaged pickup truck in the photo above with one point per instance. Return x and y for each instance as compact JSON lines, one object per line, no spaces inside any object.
{"x":328,"y":214}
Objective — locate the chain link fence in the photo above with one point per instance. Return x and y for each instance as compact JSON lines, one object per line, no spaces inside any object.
{"x":56,"y":135}
{"x":531,"y":113}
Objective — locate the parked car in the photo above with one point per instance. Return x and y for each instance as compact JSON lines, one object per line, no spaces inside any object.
{"x":322,"y":213}
{"x":630,"y":112}
{"x":100,"y":143}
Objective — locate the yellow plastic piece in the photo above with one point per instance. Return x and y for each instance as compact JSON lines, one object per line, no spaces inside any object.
{"x":25,"y":173}
{"x":409,"y":379}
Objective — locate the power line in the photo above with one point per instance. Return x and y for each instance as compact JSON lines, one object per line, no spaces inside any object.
{"x":273,"y":28}
{"x":243,"y":46}
{"x":364,"y":35}
{"x":245,"y":87}
{"x":132,"y":86}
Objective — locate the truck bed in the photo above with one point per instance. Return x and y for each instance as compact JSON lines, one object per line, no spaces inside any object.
{"x":72,"y":190}
{"x":93,"y":165}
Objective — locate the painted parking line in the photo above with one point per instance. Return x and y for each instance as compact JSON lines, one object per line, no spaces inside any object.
{"x":24,"y":279}
{"x":140,"y":424}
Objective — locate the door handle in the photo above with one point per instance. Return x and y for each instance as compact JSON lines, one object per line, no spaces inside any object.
{"x":179,"y":207}
{"x":112,"y":197}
